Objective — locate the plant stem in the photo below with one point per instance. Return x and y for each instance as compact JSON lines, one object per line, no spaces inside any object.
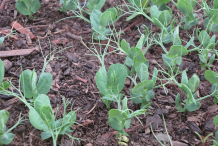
{"x":206,"y":96}
{"x":173,"y":2}
{"x":195,"y":49}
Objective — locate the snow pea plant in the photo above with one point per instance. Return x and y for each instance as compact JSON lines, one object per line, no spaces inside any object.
{"x":207,"y":53}
{"x":5,"y":136}
{"x":27,"y":7}
{"x":42,"y":118}
{"x":41,"y":115}
{"x":211,"y":22}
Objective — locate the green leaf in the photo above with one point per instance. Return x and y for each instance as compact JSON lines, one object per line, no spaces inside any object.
{"x":1,"y":40}
{"x":45,"y":135}
{"x":108,"y":17}
{"x":165,"y":17}
{"x":188,"y":93}
{"x":211,"y":76}
{"x":193,"y":83}
{"x":142,"y":72}
{"x":212,"y":58}
{"x":35,"y":6}
{"x":167,"y":61}
{"x":177,"y":50}
{"x":215,"y":4}
{"x":141,"y":42}
{"x":186,"y":8}
{"x":101,"y":81}
{"x":192,"y":107}
{"x":149,"y":95}
{"x":192,"y":2}
{"x":204,"y":38}
{"x":175,"y":37}
{"x":95,"y":20}
{"x":4,"y":118}
{"x":6,"y":138}
{"x":117,"y":118}
{"x":184,"y":78}
{"x":2,"y":71}
{"x":139,"y":3}
{"x":143,"y":86}
{"x":119,"y":72}
{"x":155,"y":13}
{"x":46,"y":114}
{"x":4,"y":85}
{"x":125,"y":46}
{"x":95,"y":4}
{"x":132,"y":16}
{"x":36,"y":120}
{"x":40,"y":101}
{"x":213,"y":14}
{"x":138,"y":55}
{"x":159,"y":2}
{"x":154,"y":77}
{"x":26,"y":83}
{"x":136,"y":98}
{"x":44,"y":83}
{"x":215,"y":120}
{"x":23,"y":8}
{"x":178,"y":103}
{"x":68,"y":121}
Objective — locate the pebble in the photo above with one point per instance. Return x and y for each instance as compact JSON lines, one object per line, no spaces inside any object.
{"x":67,"y":71}
{"x":71,"y":57}
{"x":163,"y":137}
{"x":157,"y":121}
{"x":7,"y":64}
{"x":160,"y":111}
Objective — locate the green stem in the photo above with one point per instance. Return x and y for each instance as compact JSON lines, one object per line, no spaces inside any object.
{"x":206,"y":96}
{"x":162,"y":85}
{"x":173,"y":2}
{"x":201,"y":17}
{"x":195,"y":49}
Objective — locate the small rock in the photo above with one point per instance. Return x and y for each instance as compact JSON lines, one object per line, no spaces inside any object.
{"x":163,"y":137}
{"x":157,"y":121}
{"x":162,"y":111}
{"x":210,"y":126}
{"x":177,"y":143}
{"x":18,"y":44}
{"x":67,"y":71}
{"x":7,"y":64}
{"x":72,"y":57}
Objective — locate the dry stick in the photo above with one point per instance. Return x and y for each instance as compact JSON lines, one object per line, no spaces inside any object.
{"x":133,"y":24}
{"x":18,"y":52}
{"x":92,"y":108}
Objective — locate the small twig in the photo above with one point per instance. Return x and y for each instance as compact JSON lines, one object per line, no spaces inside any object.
{"x":92,"y":108}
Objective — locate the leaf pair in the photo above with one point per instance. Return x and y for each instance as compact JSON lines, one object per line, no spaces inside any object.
{"x":42,"y":118}
{"x":100,"y":21}
{"x":5,"y":137}
{"x":208,"y":43}
{"x":32,"y":87}
{"x":68,"y":5}
{"x":189,"y":88}
{"x":186,"y":7}
{"x":110,"y":84}
{"x":3,"y":85}
{"x":27,"y":7}
{"x":118,"y":119}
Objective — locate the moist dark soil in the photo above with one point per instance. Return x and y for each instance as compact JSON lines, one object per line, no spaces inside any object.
{"x":74,"y":78}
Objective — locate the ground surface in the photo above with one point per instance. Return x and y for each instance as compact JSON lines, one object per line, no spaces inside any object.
{"x":74,"y":78}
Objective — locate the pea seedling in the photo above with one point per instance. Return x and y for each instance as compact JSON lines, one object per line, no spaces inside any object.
{"x":27,"y":7}
{"x":207,"y":53}
{"x":42,"y":118}
{"x":5,"y":136}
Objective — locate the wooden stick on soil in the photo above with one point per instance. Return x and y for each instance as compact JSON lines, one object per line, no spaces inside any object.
{"x":18,"y":52}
